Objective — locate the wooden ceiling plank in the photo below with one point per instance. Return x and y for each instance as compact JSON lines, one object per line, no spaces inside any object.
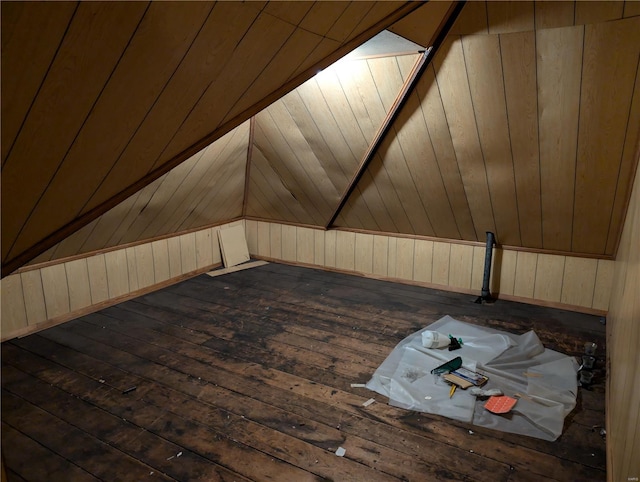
{"x":628,"y":171}
{"x":559,"y":68}
{"x":351,"y":19}
{"x":271,"y":137}
{"x":280,"y":205}
{"x":451,"y":76}
{"x":224,"y":173}
{"x":631,"y":8}
{"x":138,"y":79}
{"x":420,"y":27}
{"x":554,"y":14}
{"x":247,"y":172}
{"x":290,"y":12}
{"x":588,"y":12}
{"x":486,"y":83}
{"x":519,"y":66}
{"x":31,"y":31}
{"x":72,"y":86}
{"x":607,"y":90}
{"x":508,"y":17}
{"x":420,"y":159}
{"x":224,"y":155}
{"x":472,"y":20}
{"x":323,"y":15}
{"x":442,"y":144}
{"x":206,"y":59}
{"x":452,"y":14}
{"x":317,"y":141}
{"x":307,"y":169}
{"x":296,"y":49}
{"x":251,"y":56}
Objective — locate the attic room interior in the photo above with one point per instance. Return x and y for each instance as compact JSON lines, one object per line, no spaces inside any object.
{"x":356,"y":154}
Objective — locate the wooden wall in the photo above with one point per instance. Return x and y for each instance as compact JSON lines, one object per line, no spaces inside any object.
{"x":577,"y":283}
{"x":623,"y":352}
{"x":39,"y":297}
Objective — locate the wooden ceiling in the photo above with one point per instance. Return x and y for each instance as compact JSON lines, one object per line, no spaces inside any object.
{"x":101,"y":98}
{"x":526,"y":122}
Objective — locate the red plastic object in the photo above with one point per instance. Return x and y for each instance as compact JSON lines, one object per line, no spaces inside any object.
{"x":500,"y":404}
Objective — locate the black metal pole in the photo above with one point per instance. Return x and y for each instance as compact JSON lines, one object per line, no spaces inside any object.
{"x":485,"y":294}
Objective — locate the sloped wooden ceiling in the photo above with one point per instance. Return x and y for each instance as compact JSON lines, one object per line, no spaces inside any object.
{"x":101,"y":98}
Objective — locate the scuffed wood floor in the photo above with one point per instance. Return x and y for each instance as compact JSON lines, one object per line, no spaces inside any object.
{"x":247,"y":376}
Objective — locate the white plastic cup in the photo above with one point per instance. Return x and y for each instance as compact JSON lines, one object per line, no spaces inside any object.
{"x":433,"y":339}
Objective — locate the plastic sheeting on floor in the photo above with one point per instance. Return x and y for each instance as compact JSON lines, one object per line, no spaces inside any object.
{"x":543,"y":380}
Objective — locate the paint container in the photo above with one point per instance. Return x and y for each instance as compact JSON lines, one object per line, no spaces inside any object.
{"x":588,"y":361}
{"x":590,"y":348}
{"x":433,"y":339}
{"x":586,"y":377}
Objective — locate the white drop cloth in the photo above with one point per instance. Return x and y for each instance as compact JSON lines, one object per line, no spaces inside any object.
{"x":517,"y":364}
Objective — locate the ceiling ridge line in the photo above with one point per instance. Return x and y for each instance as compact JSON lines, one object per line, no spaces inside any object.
{"x":408,"y":87}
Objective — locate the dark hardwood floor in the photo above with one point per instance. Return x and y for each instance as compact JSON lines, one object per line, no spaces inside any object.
{"x":247,"y":376}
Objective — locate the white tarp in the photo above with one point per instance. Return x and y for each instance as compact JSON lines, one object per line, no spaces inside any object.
{"x":544,"y":380}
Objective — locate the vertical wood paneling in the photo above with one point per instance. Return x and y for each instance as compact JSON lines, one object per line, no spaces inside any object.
{"x":161,"y":267}
{"x":73,"y":83}
{"x":549,"y":274}
{"x":79,"y":286}
{"x":117,"y":276}
{"x":452,"y":80}
{"x":98,"y":279}
{"x":423,"y":260}
{"x":204,"y":248}
{"x":364,"y":253}
{"x":305,"y":245}
{"x":598,"y":11}
{"x":554,"y":14}
{"x":380,"y":255}
{"x":505,"y":17}
{"x":345,"y":250}
{"x":484,"y":69}
{"x":440,"y":137}
{"x":252,"y":236}
{"x":472,"y":19}
{"x":460,"y":265}
{"x":330,"y":248}
{"x":289,"y":242}
{"x":392,"y":256}
{"x":31,"y":31}
{"x":602,"y":128}
{"x":631,"y":8}
{"x":175,"y":257}
{"x":441,"y":256}
{"x":477,"y":270}
{"x":405,"y":248}
{"x":623,"y":356}
{"x":559,"y":67}
{"x":33,"y":296}
{"x":526,"y":267}
{"x":503,"y":280}
{"x":275,"y":240}
{"x":519,"y":68}
{"x":264,"y":239}
{"x":132,"y":269}
{"x":318,"y":252}
{"x":579,"y":281}
{"x":602,"y":288}
{"x":14,"y":312}
{"x":188,"y":260}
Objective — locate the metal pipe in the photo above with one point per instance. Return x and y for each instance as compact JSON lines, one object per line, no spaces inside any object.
{"x":485,"y":294}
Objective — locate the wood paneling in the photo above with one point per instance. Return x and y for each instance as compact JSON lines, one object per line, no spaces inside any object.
{"x":147,"y":74}
{"x":575,"y":283}
{"x":603,"y":128}
{"x":623,"y":357}
{"x":559,"y":66}
{"x":36,"y":298}
{"x":420,"y":27}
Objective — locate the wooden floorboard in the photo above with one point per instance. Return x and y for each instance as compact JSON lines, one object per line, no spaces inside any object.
{"x":247,"y":376}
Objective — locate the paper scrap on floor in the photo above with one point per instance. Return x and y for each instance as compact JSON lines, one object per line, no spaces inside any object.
{"x":508,"y":360}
